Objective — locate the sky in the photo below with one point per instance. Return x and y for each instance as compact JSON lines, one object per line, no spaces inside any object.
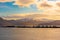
{"x":14,"y":7}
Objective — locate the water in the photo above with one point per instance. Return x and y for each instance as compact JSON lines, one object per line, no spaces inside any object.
{"x":29,"y":33}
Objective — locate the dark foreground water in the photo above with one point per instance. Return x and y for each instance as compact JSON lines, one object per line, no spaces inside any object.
{"x":29,"y":33}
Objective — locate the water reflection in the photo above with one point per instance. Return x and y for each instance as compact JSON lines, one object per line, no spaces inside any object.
{"x":29,"y":33}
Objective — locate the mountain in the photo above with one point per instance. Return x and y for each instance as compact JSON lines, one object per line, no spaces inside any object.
{"x":5,"y":22}
{"x":55,"y":22}
{"x":29,"y":20}
{"x":25,"y":21}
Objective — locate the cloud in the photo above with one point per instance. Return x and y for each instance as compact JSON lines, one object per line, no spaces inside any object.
{"x":5,"y":0}
{"x":41,"y":4}
{"x":17,"y":16}
{"x":58,"y":4}
{"x":24,"y":3}
{"x":5,"y":7}
{"x":44,"y":5}
{"x":49,"y":14}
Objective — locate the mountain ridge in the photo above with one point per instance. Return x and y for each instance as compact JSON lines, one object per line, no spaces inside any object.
{"x":25,"y":22}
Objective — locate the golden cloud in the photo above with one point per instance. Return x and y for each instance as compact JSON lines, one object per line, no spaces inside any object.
{"x":49,"y":14}
{"x":5,"y":0}
{"x":58,"y":4}
{"x":44,"y":5}
{"x":17,"y":16}
{"x":23,"y":3}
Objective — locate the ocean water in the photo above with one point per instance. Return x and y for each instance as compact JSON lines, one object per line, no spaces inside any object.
{"x":29,"y":33}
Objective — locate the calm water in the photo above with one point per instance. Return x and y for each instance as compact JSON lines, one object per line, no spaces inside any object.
{"x":29,"y":34}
